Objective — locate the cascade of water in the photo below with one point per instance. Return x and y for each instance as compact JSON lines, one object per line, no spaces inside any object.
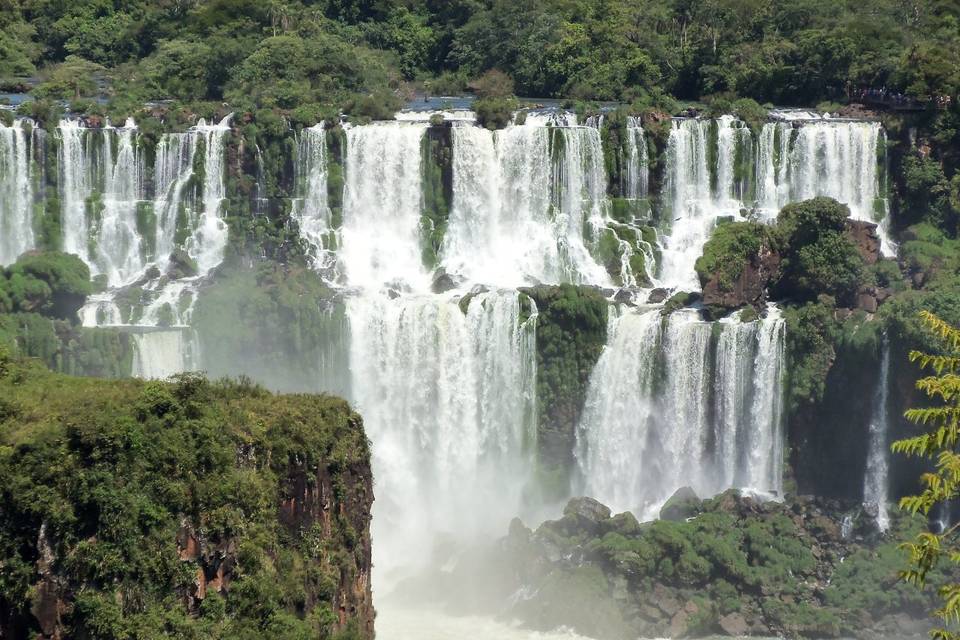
{"x":580,"y":185}
{"x":636,"y":174}
{"x":875,"y":482}
{"x":667,"y":406}
{"x":173,"y":172}
{"x":382,"y":206}
{"x":160,"y":354}
{"x":209,"y":237}
{"x":527,"y":202}
{"x":310,"y":207}
{"x":823,"y":158}
{"x":447,"y":399}
{"x":76,"y":185}
{"x":693,"y":203}
{"x":617,"y":414}
{"x":765,"y":436}
{"x":100,"y":311}
{"x":119,"y":247}
{"x":16,"y":193}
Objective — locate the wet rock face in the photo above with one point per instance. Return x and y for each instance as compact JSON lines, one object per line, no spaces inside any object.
{"x":312,"y":503}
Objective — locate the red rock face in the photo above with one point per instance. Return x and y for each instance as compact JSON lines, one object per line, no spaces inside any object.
{"x":305,"y":505}
{"x":311,"y":503}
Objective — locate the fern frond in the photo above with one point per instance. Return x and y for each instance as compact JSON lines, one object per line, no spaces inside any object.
{"x":949,"y":335}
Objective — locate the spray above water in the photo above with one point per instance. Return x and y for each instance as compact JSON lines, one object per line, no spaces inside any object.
{"x":447,"y":399}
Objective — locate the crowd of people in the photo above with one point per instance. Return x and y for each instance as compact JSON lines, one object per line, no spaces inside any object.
{"x":895,"y":99}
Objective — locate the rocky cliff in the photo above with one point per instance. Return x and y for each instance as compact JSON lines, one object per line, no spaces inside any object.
{"x":132,"y":509}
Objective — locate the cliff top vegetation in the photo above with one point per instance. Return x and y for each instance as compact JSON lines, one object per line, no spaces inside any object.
{"x":360,"y":55}
{"x":105,"y":483}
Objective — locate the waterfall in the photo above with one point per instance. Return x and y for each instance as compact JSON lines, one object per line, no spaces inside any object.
{"x":157,"y":355}
{"x":16,"y":193}
{"x":310,"y":208}
{"x":823,"y":158}
{"x":636,"y":174}
{"x":522,"y":199}
{"x":209,"y":237}
{"x":447,"y":400}
{"x":668,"y":405}
{"x":173,"y":173}
{"x":382,"y":206}
{"x":119,"y":250}
{"x":76,"y":185}
{"x":101,"y":187}
{"x":875,"y":482}
{"x":693,"y":203}
{"x":580,"y":185}
{"x":100,"y":311}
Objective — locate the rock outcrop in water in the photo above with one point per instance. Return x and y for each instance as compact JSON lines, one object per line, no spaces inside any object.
{"x":730,"y":565}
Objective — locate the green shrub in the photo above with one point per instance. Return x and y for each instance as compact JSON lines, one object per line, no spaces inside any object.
{"x":495,"y":112}
{"x":53,"y":284}
{"x":731,"y":247}
{"x":817,"y":257}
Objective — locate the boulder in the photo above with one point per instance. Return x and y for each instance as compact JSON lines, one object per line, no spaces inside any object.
{"x":658,"y":295}
{"x":682,"y":505}
{"x":864,"y":235}
{"x":867,"y":301}
{"x":443,"y":282}
{"x":734,"y":624}
{"x":181,"y":265}
{"x":587,"y":512}
{"x":623,"y":296}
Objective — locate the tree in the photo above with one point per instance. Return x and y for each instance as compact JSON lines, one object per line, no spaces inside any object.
{"x":73,"y":78}
{"x":818,"y":256}
{"x":939,"y":443}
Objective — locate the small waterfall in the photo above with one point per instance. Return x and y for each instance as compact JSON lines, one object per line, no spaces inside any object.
{"x":876,"y":482}
{"x":76,"y":185}
{"x":668,"y":405}
{"x":209,"y":238}
{"x":636,"y":175}
{"x":157,"y":355}
{"x":823,"y":158}
{"x":119,"y":250}
{"x":580,"y":193}
{"x":100,"y":311}
{"x":310,"y":208}
{"x":693,"y":202}
{"x":527,"y":203}
{"x":16,"y":193}
{"x":101,"y":186}
{"x":173,"y":173}
{"x":382,"y":205}
{"x":447,"y":399}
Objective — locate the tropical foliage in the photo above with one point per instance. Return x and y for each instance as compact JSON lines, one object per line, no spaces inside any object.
{"x":939,"y":443}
